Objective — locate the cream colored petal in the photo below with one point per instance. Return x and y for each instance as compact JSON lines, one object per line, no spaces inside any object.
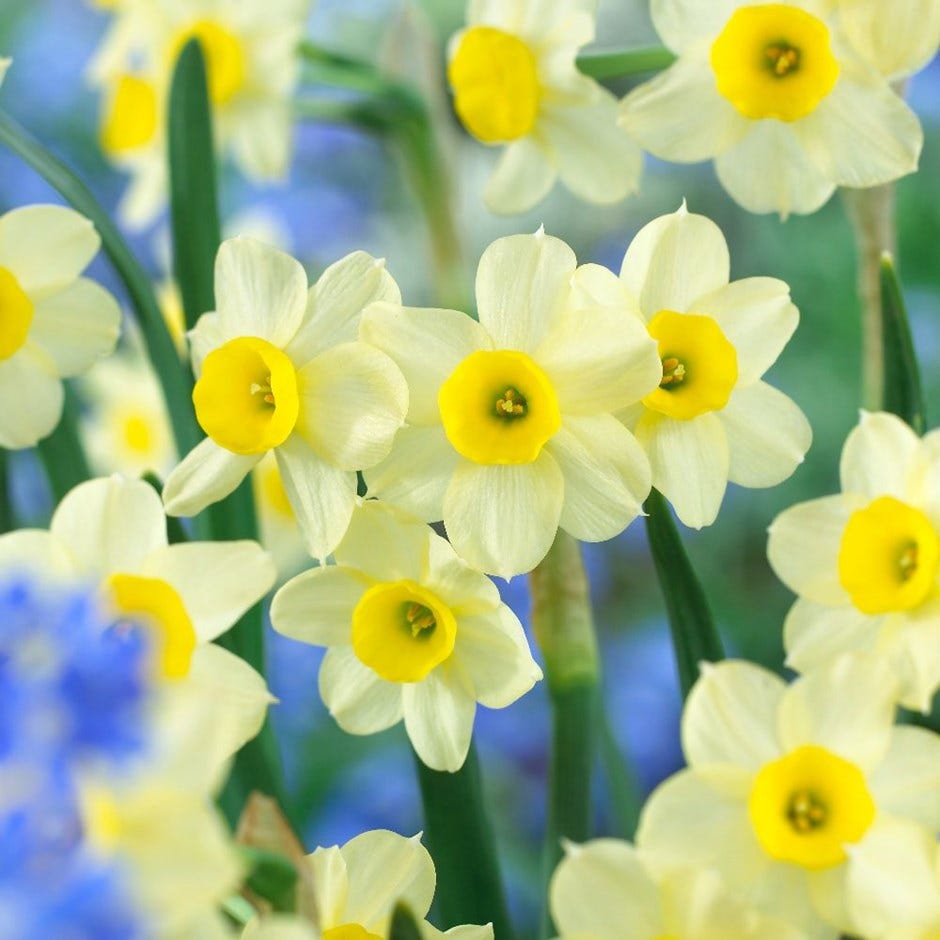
{"x":768,"y":435}
{"x":803,"y":548}
{"x":330,"y":884}
{"x":493,"y":650}
{"x":35,"y":552}
{"x":862,"y":134}
{"x":386,"y":543}
{"x":690,"y":462}
{"x":278,"y":927}
{"x":360,"y":701}
{"x":911,"y":640}
{"x":601,"y":890}
{"x":206,"y":474}
{"x":503,"y":519}
{"x":146,"y":194}
{"x":262,"y":141}
{"x":316,"y":606}
{"x":757,"y":316}
{"x":877,"y":456}
{"x":730,"y":716}
{"x":76,"y":326}
{"x":907,"y":782}
{"x":259,"y":291}
{"x":828,"y":894}
{"x":110,"y":524}
{"x":674,"y":260}
{"x":770,"y":170}
{"x":814,"y":635}
{"x":322,"y":497}
{"x":684,"y":22}
{"x":439,"y":713}
{"x":217,"y":581}
{"x":384,"y":869}
{"x":416,"y":473}
{"x":463,"y":932}
{"x":680,"y":116}
{"x":607,"y":476}
{"x":46,"y":247}
{"x":426,"y":345}
{"x":783,"y":892}
{"x":522,"y":287}
{"x":847,"y":707}
{"x":521,"y":179}
{"x":897,"y":40}
{"x":205,"y":336}
{"x":37,"y":415}
{"x":593,"y":285}
{"x":459,"y":585}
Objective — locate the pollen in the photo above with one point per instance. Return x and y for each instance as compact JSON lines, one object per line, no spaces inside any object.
{"x":673,"y":372}
{"x":511,"y":404}
{"x":783,"y":59}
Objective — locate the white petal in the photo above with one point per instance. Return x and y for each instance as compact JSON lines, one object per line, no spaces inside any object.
{"x":680,"y":116}
{"x":417,"y":472}
{"x":770,"y":170}
{"x":330,"y":884}
{"x":503,"y":519}
{"x":439,"y":714}
{"x":206,"y":474}
{"x":601,"y":887}
{"x":205,"y":336}
{"x":322,"y":497}
{"x":907,"y":782}
{"x":217,"y":581}
{"x":911,"y":641}
{"x":767,"y":435}
{"x":897,"y":41}
{"x":803,"y":548}
{"x":353,"y":400}
{"x":521,"y":179}
{"x":877,"y":457}
{"x":521,"y":287}
{"x":37,"y":414}
{"x":76,"y":326}
{"x":360,"y":701}
{"x":426,"y":345}
{"x":814,"y":635}
{"x":259,"y":291}
{"x":262,"y":141}
{"x":731,"y":715}
{"x":46,"y":247}
{"x":607,"y":476}
{"x":674,"y":260}
{"x":110,"y":524}
{"x":690,"y":462}
{"x":493,"y":649}
{"x":459,"y":585}
{"x":757,"y":317}
{"x":316,"y":607}
{"x":36,"y":552}
{"x":385,"y":543}
{"x":683,"y":22}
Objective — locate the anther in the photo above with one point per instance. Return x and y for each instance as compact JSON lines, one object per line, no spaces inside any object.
{"x":511,"y":404}
{"x":907,"y":562}
{"x":805,"y":812}
{"x":673,"y":372}
{"x":783,"y":60}
{"x":420,"y":618}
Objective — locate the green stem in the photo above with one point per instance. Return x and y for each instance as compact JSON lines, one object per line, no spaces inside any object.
{"x":62,"y":454}
{"x":621,"y":63}
{"x":404,"y":925}
{"x":623,"y":789}
{"x":7,"y":520}
{"x":460,"y":838}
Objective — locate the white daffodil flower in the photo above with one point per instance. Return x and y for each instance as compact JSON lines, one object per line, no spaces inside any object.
{"x":279,"y":369}
{"x":712,"y":419}
{"x":603,"y":890}
{"x":511,"y":430}
{"x":786,"y":784}
{"x":866,"y":562}
{"x":277,"y":521}
{"x":4,"y":65}
{"x":515,"y":83}
{"x":56,"y":324}
{"x":112,"y":532}
{"x":413,"y":632}
{"x":776,"y":95}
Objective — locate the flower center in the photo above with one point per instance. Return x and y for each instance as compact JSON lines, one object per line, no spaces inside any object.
{"x":225,"y":59}
{"x":16,"y":314}
{"x":246,"y":398}
{"x":157,"y":606}
{"x":806,"y":806}
{"x":774,"y":61}
{"x":402,"y":631}
{"x":496,"y":87}
{"x":137,"y":434}
{"x":499,"y":407}
{"x":700,"y":366}
{"x":131,"y":117}
{"x":349,"y":932}
{"x":888,"y":557}
{"x":102,"y":823}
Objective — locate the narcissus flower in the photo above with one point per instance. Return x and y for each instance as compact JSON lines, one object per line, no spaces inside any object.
{"x":413,"y":631}
{"x":775,"y":94}
{"x":603,"y":890}
{"x":279,"y":369}
{"x":866,"y":562}
{"x":55,"y":324}
{"x":712,"y":418}
{"x":511,"y":433}
{"x":786,"y":784}
{"x":515,"y":83}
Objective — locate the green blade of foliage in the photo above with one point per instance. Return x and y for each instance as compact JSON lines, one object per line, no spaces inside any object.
{"x":7,"y":521}
{"x":694,"y":635}
{"x":174,"y":379}
{"x":404,"y":925}
{"x":62,"y":454}
{"x":623,"y":788}
{"x":903,"y":392}
{"x":460,"y":838}
{"x":271,"y":876}
{"x":622,"y":63}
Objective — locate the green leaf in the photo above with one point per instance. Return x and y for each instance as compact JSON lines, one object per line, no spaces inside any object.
{"x":7,"y":519}
{"x":694,"y":635}
{"x":271,"y":876}
{"x":626,"y":798}
{"x":404,"y":926}
{"x":903,"y":392}
{"x":62,"y":454}
{"x":459,"y":836}
{"x":621,"y":63}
